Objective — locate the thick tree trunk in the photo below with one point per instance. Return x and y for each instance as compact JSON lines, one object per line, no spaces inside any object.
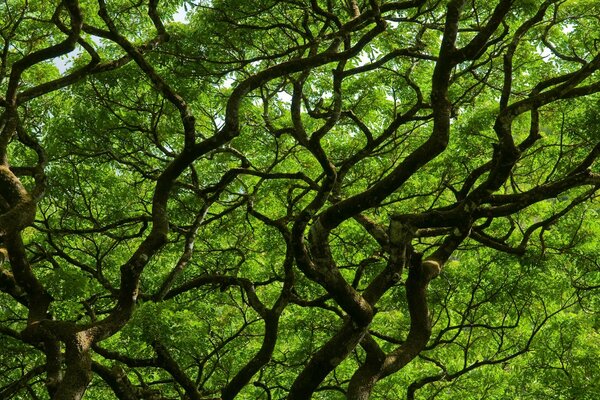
{"x":362,"y":382}
{"x":325,"y":360}
{"x":78,"y":373}
{"x":378,"y":365}
{"x":258,"y":361}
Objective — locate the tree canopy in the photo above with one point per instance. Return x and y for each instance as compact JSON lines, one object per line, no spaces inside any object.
{"x":299,"y":199}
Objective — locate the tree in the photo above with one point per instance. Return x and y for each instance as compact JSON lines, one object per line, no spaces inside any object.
{"x":258,"y":202}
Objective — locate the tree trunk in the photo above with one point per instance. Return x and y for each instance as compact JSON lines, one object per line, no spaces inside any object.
{"x":78,"y":373}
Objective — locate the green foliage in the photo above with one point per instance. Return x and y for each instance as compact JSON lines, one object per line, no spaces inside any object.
{"x":246,"y":250}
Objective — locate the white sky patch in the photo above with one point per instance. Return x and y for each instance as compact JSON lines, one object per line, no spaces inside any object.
{"x":219,"y":121}
{"x":568,"y":28}
{"x":228,"y":83}
{"x":64,"y":63}
{"x":284,"y":97}
{"x":181,"y":15}
{"x":363,"y":59}
{"x":546,"y":53}
{"x":368,"y":56}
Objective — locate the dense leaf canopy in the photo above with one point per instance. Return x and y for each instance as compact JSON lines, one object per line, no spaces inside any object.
{"x":299,"y":199}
